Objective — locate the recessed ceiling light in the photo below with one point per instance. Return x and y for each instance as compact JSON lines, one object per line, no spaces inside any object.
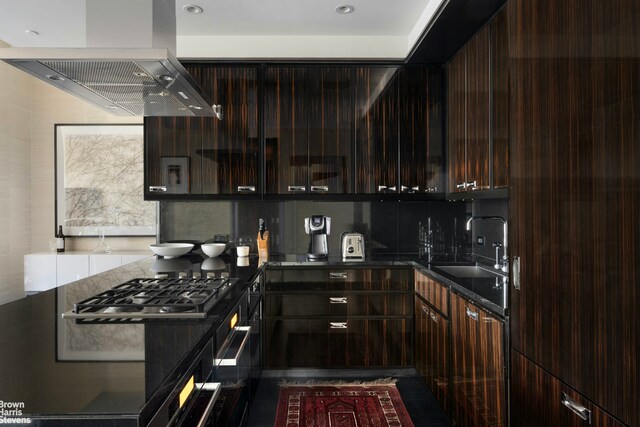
{"x":345,"y":9}
{"x":32,"y":32}
{"x":193,"y":8}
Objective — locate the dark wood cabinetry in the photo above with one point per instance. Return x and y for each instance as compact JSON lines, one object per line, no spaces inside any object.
{"x":540,"y":399}
{"x":421,"y":119}
{"x":478,"y":365}
{"x":321,"y":318}
{"x":308,"y":130}
{"x":431,"y":345}
{"x":376,"y":122}
{"x":500,"y":98}
{"x":477,"y":106}
{"x":202,"y":155}
{"x":575,"y":197}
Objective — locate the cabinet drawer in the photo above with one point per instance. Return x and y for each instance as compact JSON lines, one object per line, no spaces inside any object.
{"x":540,"y":399}
{"x":337,"y":279}
{"x":338,"y":304}
{"x":337,"y":343}
{"x":435,"y":293}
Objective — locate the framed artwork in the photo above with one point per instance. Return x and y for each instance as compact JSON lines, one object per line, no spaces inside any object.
{"x":100,"y":181}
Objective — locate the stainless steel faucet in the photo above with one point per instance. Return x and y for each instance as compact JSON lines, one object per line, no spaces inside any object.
{"x":505,"y":258}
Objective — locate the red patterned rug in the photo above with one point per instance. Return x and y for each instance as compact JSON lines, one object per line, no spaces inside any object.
{"x":339,"y":404}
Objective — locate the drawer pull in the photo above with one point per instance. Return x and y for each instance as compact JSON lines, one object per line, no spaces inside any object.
{"x":576,"y":408}
{"x":246,"y":189}
{"x":241,"y":332}
{"x":337,"y":325}
{"x":215,"y":388}
{"x":472,"y":314}
{"x":405,"y":189}
{"x":472,"y":184}
{"x":158,"y":189}
{"x":319,"y":188}
{"x":433,"y":317}
{"x":337,"y":300}
{"x":296,"y":188}
{"x":461,"y":186}
{"x":382,"y":188}
{"x":336,"y":275}
{"x":425,"y":309}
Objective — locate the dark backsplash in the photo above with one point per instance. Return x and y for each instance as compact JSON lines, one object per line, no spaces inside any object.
{"x":388,"y":227}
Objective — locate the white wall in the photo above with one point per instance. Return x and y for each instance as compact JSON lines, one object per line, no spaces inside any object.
{"x":29,"y":109}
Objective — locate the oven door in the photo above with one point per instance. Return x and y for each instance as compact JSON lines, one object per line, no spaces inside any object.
{"x":232,"y":369}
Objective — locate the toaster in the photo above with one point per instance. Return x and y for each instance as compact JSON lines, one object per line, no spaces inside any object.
{"x":352,"y":245}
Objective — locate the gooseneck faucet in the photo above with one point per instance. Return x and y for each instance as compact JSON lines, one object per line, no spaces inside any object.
{"x":505,"y":257}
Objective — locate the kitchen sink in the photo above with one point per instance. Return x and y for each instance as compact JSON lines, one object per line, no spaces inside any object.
{"x":468,"y":271}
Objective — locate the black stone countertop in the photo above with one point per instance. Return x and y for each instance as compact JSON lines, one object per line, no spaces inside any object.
{"x":484,"y":292}
{"x":57,"y":368}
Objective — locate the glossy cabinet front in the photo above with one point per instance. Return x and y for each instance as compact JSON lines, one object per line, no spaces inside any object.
{"x":308,"y":130}
{"x":203,"y":155}
{"x":478,"y":366}
{"x":376,"y":122}
{"x":323,"y":318}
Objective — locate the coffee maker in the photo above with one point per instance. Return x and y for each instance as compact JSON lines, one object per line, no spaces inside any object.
{"x":318,"y":227}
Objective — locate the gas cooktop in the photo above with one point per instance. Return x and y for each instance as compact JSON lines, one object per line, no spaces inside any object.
{"x":141,"y":300}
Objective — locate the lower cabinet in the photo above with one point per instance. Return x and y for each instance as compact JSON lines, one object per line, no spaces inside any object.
{"x":478,"y":366}
{"x":336,"y":343}
{"x":540,"y":399}
{"x":325,"y":318}
{"x":432,"y":349}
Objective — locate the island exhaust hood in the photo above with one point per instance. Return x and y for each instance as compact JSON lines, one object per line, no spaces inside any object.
{"x":143,"y":80}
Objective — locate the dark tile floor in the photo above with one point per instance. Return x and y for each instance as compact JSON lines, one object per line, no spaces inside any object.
{"x":420,"y":403}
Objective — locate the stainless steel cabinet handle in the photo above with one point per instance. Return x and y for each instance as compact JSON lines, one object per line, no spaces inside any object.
{"x":157,"y":188}
{"x":381,"y":188}
{"x":461,"y":186}
{"x":431,"y":190}
{"x":246,"y":189}
{"x":394,"y":188}
{"x":233,"y":361}
{"x":473,"y":314}
{"x":296,"y":188}
{"x":425,"y":309}
{"x":576,"y":408}
{"x":337,"y":300}
{"x":472,"y":184}
{"x":319,"y":188}
{"x":515,"y":272}
{"x":336,"y":275}
{"x":337,"y":325}
{"x":215,"y":388}
{"x":433,"y":317}
{"x":405,"y":189}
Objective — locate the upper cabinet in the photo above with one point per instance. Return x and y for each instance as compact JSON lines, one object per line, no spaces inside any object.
{"x":377,"y":139}
{"x":421,"y":130}
{"x":308,"y":130}
{"x":478,"y":103}
{"x":186,"y":157}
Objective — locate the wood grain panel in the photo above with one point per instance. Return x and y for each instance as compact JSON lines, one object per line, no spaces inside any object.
{"x":478,"y":109}
{"x":355,"y":280}
{"x":433,"y":292}
{"x":170,"y":141}
{"x":432,"y":349}
{"x":479,"y":397}
{"x":330,"y":128}
{"x":376,"y":116}
{"x":574,"y":196}
{"x":456,"y":120}
{"x":421,"y":129}
{"x":500,"y":98}
{"x":537,"y":399}
{"x":230,"y":147}
{"x":286,"y":121}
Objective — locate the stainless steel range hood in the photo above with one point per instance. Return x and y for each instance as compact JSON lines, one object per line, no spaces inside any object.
{"x":143,"y":81}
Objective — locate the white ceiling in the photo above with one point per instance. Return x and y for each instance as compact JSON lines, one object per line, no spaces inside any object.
{"x":245,"y":28}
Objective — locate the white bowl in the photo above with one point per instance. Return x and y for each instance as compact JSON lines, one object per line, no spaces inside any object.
{"x":169,"y":250}
{"x":213,"y":249}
